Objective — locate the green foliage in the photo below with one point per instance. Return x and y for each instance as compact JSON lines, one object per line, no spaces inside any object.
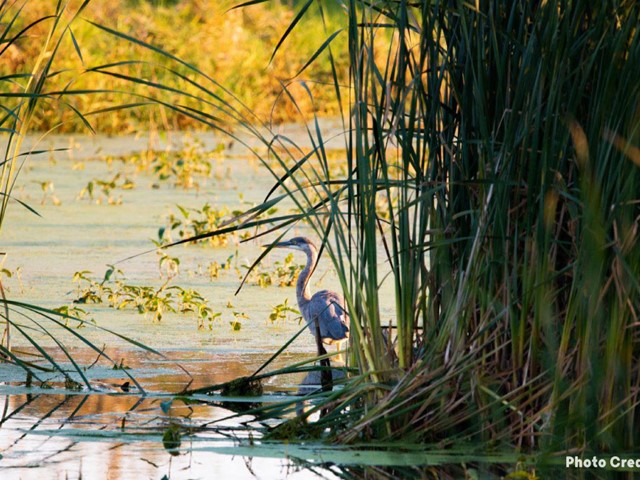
{"x":215,"y":227}
{"x":183,"y":166}
{"x":506,"y":244}
{"x":100,"y":191}
{"x":491,"y":150}
{"x":8,"y":277}
{"x":171,"y":439}
{"x":186,"y":167}
{"x":114,"y":291}
{"x":284,"y":274}
{"x":169,"y":266}
{"x":48,"y":193}
{"x":242,"y":387}
{"x":283,"y":311}
{"x":214,"y":269}
{"x":295,"y":429}
{"x":191,"y":222}
{"x":73,"y":312}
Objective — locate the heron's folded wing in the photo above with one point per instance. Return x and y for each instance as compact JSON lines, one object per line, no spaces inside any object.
{"x":333,"y":322}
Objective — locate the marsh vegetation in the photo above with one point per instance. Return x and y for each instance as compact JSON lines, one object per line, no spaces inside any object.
{"x":481,"y":213}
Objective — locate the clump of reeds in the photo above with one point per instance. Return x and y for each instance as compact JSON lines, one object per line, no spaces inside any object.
{"x":501,"y":137}
{"x":513,"y":245}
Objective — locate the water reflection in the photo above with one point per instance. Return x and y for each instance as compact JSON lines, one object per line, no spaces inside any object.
{"x":102,"y":436}
{"x":109,"y":434}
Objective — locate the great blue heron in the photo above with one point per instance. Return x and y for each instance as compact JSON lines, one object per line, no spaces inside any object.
{"x":324,"y":312}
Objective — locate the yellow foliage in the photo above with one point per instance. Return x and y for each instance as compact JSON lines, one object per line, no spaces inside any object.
{"x":233,"y":47}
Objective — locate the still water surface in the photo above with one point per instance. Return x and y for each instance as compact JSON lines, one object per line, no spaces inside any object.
{"x":112,"y":434}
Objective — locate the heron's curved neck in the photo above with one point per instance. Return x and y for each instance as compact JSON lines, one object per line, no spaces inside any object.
{"x":302,"y":287}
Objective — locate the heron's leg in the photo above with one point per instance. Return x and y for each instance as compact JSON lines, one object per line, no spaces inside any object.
{"x":339,"y":359}
{"x":326,"y":378}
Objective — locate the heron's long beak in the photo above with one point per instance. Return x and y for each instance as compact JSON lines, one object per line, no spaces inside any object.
{"x":285,"y":244}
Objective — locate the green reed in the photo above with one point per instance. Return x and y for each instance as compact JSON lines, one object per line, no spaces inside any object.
{"x":501,"y":136}
{"x":525,"y":203}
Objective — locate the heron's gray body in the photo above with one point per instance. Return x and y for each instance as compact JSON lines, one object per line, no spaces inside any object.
{"x":328,"y":307}
{"x":324,"y":306}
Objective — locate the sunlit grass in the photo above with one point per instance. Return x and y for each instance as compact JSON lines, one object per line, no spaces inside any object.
{"x":233,"y":46}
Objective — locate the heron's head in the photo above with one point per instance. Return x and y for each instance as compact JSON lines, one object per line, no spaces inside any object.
{"x":297,"y":243}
